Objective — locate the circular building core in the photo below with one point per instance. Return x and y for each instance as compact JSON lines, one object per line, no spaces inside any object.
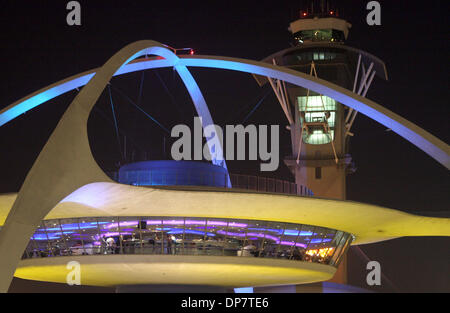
{"x":171,"y":173}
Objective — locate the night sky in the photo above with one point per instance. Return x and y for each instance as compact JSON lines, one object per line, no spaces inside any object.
{"x":38,"y":48}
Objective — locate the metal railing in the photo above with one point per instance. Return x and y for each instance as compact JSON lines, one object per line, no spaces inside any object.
{"x":257,"y":183}
{"x":239,"y":181}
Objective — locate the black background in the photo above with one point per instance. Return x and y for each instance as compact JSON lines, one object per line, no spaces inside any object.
{"x":38,"y":48}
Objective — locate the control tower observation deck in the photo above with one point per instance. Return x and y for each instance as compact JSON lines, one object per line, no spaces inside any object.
{"x":320,"y":127}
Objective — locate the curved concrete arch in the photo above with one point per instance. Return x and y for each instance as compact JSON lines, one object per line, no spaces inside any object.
{"x":66,"y":162}
{"x":52,"y":91}
{"x":425,"y":141}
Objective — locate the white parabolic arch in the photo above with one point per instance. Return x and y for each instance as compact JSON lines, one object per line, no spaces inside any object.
{"x":66,"y":163}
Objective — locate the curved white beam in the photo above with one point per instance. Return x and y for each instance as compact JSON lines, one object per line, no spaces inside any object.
{"x":431,"y":145}
{"x":47,"y":93}
{"x":216,"y":153}
{"x":428,"y":143}
{"x":73,"y":82}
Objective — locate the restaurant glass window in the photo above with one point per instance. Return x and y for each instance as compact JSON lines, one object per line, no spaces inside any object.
{"x":231,"y":240}
{"x":256,"y":239}
{"x":306,"y":239}
{"x":88,"y":234}
{"x":67,"y":230}
{"x":41,"y":239}
{"x":109,"y":235}
{"x":152,"y":235}
{"x":287,"y":234}
{"x":339,"y":242}
{"x":216,"y":236}
{"x":173,"y":230}
{"x":236,"y":236}
{"x":54,"y":236}
{"x":188,"y":236}
{"x":288,"y":241}
{"x":194,"y":235}
{"x":251,"y":238}
{"x":319,"y":250}
{"x":346,"y":245}
{"x":28,"y":253}
{"x":271,"y":240}
{"x":129,"y":235}
{"x":33,"y":246}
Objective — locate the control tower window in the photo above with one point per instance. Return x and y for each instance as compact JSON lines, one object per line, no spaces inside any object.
{"x":317,"y":112}
{"x":338,"y":36}
{"x":319,"y":56}
{"x":308,"y":56}
{"x":316,"y":35}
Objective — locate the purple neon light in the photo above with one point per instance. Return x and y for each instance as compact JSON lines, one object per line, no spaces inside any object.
{"x":260,"y":235}
{"x":153,"y":222}
{"x":195,"y":222}
{"x":122,"y":224}
{"x":210,"y":224}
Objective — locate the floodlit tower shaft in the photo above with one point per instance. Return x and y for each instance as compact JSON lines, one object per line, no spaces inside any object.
{"x":320,"y":127}
{"x":319,"y":151}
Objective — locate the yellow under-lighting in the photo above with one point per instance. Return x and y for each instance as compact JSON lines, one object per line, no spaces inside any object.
{"x":113,"y":270}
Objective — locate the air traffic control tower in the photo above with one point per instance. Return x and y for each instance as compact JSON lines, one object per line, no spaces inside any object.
{"x":320,"y":127}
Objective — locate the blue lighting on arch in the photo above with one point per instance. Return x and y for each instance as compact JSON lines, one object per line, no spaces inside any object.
{"x":417,"y":136}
